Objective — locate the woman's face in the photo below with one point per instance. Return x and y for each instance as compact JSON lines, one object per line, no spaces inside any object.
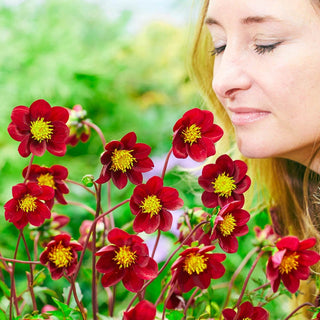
{"x":267,"y":74}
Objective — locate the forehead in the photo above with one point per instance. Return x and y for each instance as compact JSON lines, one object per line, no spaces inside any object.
{"x":291,"y":11}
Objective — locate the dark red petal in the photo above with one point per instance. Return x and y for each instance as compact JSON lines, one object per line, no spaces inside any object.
{"x":165,"y":220}
{"x":110,"y":279}
{"x":240,"y":170}
{"x":307,"y":243}
{"x":57,"y":149}
{"x":129,"y":140}
{"x":143,"y":165}
{"x":179,"y":147}
{"x":290,"y":282}
{"x":106,"y":264}
{"x":243,"y":185}
{"x":245,"y":310}
{"x":142,"y":223}
{"x":40,"y":109}
{"x":209,"y":199}
{"x":118,"y":237}
{"x":228,"y":244}
{"x":132,"y":282}
{"x":59,"y":114}
{"x":228,"y":314}
{"x":154,"y":185}
{"x":119,"y":179}
{"x":135,"y":177}
{"x":289,"y":242}
{"x":141,"y":150}
{"x":197,"y":151}
{"x":150,"y":271}
{"x":24,"y":147}
{"x":37,"y":148}
{"x":20,"y":118}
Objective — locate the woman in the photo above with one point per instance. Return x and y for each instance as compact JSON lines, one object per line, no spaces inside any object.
{"x":261,"y":60}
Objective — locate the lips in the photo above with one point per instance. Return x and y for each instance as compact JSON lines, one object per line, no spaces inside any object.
{"x":244,"y":116}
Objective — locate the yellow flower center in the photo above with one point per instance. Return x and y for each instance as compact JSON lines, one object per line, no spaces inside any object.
{"x":191,"y":134}
{"x":224,"y":185}
{"x":61,"y":256}
{"x":28,"y":203}
{"x":122,"y":160}
{"x":289,"y":262}
{"x":227,"y":225}
{"x":151,"y":205}
{"x":125,"y":257}
{"x":46,"y":180}
{"x":195,"y":263}
{"x":246,"y":318}
{"x":41,"y":130}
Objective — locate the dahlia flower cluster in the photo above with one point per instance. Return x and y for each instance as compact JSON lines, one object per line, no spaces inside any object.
{"x":120,"y":255}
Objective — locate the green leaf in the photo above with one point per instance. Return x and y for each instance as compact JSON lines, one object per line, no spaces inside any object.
{"x":5,"y":289}
{"x":174,"y":315}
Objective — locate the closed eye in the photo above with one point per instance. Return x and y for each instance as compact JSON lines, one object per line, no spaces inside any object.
{"x":260,"y":49}
{"x":218,"y":50}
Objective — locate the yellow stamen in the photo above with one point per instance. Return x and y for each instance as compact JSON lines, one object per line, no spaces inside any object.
{"x":289,"y":262}
{"x":191,"y":134}
{"x":224,"y":185}
{"x":195,"y":263}
{"x":246,"y":318}
{"x":125,"y":257}
{"x":41,"y":130}
{"x":227,"y":225}
{"x":122,"y":160}
{"x":151,"y":205}
{"x":28,"y":203}
{"x":46,"y":180}
{"x":61,"y":256}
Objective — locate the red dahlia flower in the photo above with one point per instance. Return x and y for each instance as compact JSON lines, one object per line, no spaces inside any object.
{"x":195,"y":135}
{"x":52,"y":177}
{"x":61,"y":256}
{"x":125,"y":159}
{"x":231,"y":222}
{"x":144,"y":310}
{"x":291,"y":263}
{"x":196,"y":267}
{"x":224,"y":182}
{"x":39,"y":127}
{"x":150,"y":203}
{"x":27,"y":206}
{"x":126,"y":259}
{"x":79,"y":131}
{"x":246,"y":311}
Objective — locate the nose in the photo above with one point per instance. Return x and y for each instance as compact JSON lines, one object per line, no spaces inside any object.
{"x":230,"y":74}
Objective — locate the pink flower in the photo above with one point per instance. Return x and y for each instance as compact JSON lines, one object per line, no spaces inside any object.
{"x":127,"y":260}
{"x":151,"y":203}
{"x":196,"y":267}
{"x":144,"y":310}
{"x":195,"y":135}
{"x":125,"y":159}
{"x":52,"y":177}
{"x":27,"y":206}
{"x":61,"y":256}
{"x":39,"y":128}
{"x":79,"y":131}
{"x":246,"y":311}
{"x":224,"y":182}
{"x":231,"y":222}
{"x":291,"y":263}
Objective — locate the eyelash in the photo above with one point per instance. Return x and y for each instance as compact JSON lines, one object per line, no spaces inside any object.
{"x":258,"y":48}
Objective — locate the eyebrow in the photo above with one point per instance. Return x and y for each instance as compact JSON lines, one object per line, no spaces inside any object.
{"x":246,"y":21}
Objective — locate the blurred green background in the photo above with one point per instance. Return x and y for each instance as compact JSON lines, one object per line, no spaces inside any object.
{"x":126,"y":70}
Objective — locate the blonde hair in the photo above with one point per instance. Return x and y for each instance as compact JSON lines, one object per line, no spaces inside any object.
{"x":281,"y":184}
